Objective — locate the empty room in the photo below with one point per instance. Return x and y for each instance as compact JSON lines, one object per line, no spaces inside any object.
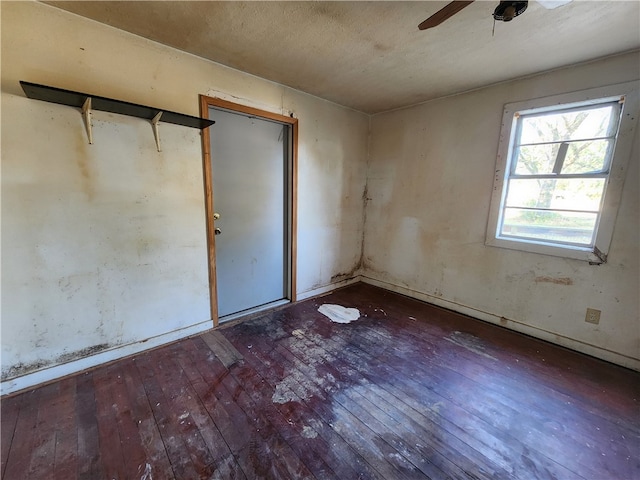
{"x":320,"y":240}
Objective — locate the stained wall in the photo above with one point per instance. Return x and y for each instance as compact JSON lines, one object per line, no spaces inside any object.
{"x":103,"y":246}
{"x":429,"y":186}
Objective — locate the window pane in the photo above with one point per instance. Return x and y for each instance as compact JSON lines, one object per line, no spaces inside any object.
{"x":568,"y":227}
{"x":568,"y":125}
{"x":560,"y":194}
{"x":586,"y":157}
{"x":536,"y":159}
{"x":581,"y":157}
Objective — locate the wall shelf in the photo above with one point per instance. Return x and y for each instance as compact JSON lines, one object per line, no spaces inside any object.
{"x":88,"y":102}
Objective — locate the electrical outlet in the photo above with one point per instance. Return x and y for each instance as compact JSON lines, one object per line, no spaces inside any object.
{"x":593,"y":316}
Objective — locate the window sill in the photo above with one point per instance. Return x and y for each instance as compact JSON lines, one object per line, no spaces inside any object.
{"x":588,"y":254}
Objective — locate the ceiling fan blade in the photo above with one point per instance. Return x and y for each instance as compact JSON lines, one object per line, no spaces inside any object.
{"x":441,"y":15}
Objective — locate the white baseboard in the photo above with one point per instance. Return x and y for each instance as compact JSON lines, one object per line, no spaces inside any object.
{"x":582,"y":347}
{"x":54,"y":372}
{"x":327,"y":288}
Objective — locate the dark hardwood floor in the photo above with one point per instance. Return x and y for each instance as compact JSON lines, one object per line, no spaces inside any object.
{"x":407,"y":391}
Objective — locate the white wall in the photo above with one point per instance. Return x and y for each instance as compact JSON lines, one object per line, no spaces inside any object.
{"x":430,"y":181}
{"x":103,"y":245}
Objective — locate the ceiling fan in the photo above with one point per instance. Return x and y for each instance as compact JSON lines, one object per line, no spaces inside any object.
{"x":505,"y":11}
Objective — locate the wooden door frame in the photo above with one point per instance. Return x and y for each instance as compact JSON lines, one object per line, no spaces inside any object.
{"x":205,"y":103}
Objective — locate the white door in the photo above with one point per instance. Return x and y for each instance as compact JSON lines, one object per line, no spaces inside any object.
{"x":249,"y":186}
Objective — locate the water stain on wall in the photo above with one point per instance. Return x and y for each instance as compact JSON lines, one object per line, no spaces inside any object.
{"x":338,"y":277}
{"x":82,"y":160}
{"x":21,"y":369}
{"x":555,"y":280}
{"x":85,"y":352}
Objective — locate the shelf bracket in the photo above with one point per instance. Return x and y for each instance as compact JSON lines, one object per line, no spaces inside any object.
{"x":86,"y":115}
{"x":156,"y":132}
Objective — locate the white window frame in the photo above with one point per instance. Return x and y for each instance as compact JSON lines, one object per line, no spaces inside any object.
{"x":627,"y":93}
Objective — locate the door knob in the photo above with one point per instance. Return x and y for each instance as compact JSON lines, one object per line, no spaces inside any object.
{"x":217,"y":231}
{"x":216,"y":216}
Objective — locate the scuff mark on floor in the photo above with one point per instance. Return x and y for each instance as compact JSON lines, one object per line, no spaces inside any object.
{"x":308,"y":432}
{"x":470,"y":342}
{"x":146,"y":475}
{"x":283,"y":394}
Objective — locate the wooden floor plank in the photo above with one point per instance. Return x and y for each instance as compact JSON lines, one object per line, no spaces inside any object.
{"x":175,"y":445}
{"x":407,"y":391}
{"x":225,"y":463}
{"x":10,"y":409}
{"x":351,"y":363}
{"x":180,"y":399}
{"x":396,"y":442}
{"x":66,"y":436}
{"x":243,"y":439}
{"x":467,"y":418}
{"x":135,"y":456}
{"x":380,"y":455}
{"x":295,"y":420}
{"x":291,"y":398}
{"x":496,"y":395}
{"x":486,"y":406}
{"x":533,"y":408}
{"x":221,"y":347}
{"x":535,"y":364}
{"x":550,"y":371}
{"x":542,"y":363}
{"x":112,"y":456}
{"x":149,"y":435}
{"x":90,"y":465}
{"x":288,"y":463}
{"x":206,"y":377}
{"x":345,"y":344}
{"x":44,"y":442}
{"x":257,"y":399}
{"x":21,"y":449}
{"x":392,"y":415}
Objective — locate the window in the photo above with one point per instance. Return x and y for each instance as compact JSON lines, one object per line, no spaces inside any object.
{"x":560,"y":171}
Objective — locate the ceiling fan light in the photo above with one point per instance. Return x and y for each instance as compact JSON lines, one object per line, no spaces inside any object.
{"x":508,"y":10}
{"x":509,"y":13}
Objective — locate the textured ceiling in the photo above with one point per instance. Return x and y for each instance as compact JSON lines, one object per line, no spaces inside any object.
{"x":370,"y":56}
